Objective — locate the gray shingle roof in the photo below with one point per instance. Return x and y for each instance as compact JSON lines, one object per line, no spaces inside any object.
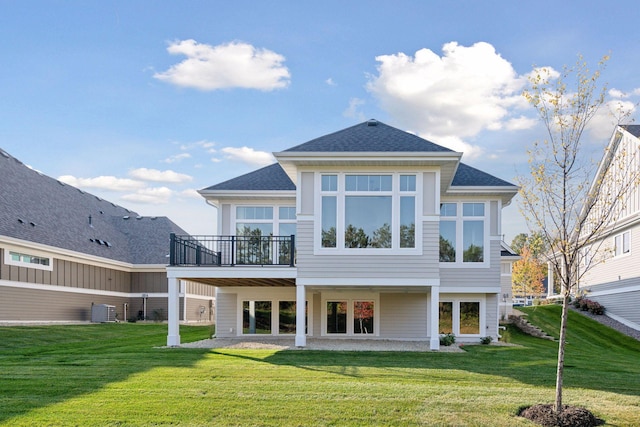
{"x":40,"y":209}
{"x":273,"y":178}
{"x":269,"y":178}
{"x":467,"y":176}
{"x":633,"y":130}
{"x":369,"y":136}
{"x":363,"y":137}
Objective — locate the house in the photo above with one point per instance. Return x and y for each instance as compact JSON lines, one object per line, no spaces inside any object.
{"x":507,"y":257}
{"x":366,"y":233}
{"x":63,"y":250}
{"x":615,"y":283}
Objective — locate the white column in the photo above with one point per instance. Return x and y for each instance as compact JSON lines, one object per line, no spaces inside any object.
{"x":173,"y":337}
{"x":549,"y":280}
{"x":301,"y":338}
{"x":434,"y":318}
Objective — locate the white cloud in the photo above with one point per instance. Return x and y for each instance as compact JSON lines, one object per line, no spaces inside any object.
{"x":151,"y":195}
{"x":103,"y":182}
{"x":616,"y":93}
{"x":191,"y":194}
{"x":453,"y":96}
{"x":155,"y":175}
{"x":520,"y":123}
{"x":249,"y":156}
{"x":177,"y":157}
{"x":330,"y":82}
{"x":610,"y":114}
{"x":353,"y":110}
{"x":229,"y":65}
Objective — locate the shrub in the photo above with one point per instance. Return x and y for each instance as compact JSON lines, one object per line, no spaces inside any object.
{"x":486,"y":340}
{"x":586,"y":304}
{"x":595,"y":307}
{"x":577,"y":301}
{"x":447,"y":339}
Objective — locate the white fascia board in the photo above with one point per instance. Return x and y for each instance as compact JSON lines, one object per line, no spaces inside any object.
{"x":236,"y":272}
{"x":65,"y":254}
{"x":470,"y":290}
{"x":214,"y":196}
{"x":365,"y":156}
{"x":505,"y":193}
{"x":18,"y":245}
{"x":366,"y":282}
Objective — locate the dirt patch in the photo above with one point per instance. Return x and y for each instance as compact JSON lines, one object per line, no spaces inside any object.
{"x":570,"y":416}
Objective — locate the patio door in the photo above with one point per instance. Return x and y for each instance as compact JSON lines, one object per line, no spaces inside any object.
{"x":350,"y":317}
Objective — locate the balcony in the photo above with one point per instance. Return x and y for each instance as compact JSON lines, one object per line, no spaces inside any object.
{"x":229,"y":251}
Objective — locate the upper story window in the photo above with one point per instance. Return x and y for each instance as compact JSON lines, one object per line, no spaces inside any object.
{"x":27,"y":260}
{"x":368,"y":211}
{"x":462,"y":232}
{"x":265,"y":220}
{"x":622,"y":243}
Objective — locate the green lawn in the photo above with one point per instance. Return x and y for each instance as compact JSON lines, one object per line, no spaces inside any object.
{"x":114,"y":374}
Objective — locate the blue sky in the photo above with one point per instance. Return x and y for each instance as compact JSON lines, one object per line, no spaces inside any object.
{"x":143,"y":102}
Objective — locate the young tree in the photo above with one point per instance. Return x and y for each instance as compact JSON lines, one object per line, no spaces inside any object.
{"x":562,"y":197}
{"x":528,"y":274}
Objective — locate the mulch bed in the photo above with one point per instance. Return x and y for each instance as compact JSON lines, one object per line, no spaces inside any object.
{"x":570,"y":416}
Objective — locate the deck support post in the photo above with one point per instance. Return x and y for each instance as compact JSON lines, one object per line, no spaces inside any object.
{"x":434,"y":318}
{"x":173,"y":315}
{"x":301,"y":314}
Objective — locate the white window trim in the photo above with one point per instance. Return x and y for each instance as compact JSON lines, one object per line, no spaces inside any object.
{"x":459,"y":219}
{"x":9,"y":261}
{"x":615,"y":248}
{"x":350,"y":298}
{"x":275,"y":330}
{"x":275,"y":221}
{"x":341,"y":194}
{"x":455,"y":312}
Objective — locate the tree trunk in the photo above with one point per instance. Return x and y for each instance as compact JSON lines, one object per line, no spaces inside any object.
{"x":563,"y":337}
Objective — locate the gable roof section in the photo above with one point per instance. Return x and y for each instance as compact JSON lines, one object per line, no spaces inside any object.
{"x":369,"y":136}
{"x":42,"y":210}
{"x":268,"y":178}
{"x":632,"y":129}
{"x":368,"y":143}
{"x":467,"y":176}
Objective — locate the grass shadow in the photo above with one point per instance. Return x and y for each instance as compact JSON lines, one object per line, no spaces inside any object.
{"x":45,"y":365}
{"x":597,"y":357}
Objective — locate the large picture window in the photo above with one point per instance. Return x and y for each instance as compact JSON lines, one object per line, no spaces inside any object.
{"x":462,"y":233}
{"x":361,"y":211}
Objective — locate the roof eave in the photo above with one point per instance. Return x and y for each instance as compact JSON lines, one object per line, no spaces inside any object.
{"x":506,"y":193}
{"x":214,"y":195}
{"x":290,"y":161}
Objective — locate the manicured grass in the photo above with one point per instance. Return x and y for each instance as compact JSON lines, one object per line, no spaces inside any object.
{"x":114,"y":374}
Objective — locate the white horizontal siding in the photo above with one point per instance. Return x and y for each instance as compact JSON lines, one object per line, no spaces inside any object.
{"x":474,"y":277}
{"x":402,"y":266}
{"x":616,"y":268}
{"x":226,"y":315}
{"x":403,"y":315}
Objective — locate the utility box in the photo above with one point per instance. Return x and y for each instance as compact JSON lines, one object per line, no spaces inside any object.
{"x":103,"y":313}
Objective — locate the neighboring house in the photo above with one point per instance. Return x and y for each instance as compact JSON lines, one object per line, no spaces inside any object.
{"x":615,"y":283}
{"x":507,"y":257}
{"x":367,"y":233}
{"x":62,"y":250}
